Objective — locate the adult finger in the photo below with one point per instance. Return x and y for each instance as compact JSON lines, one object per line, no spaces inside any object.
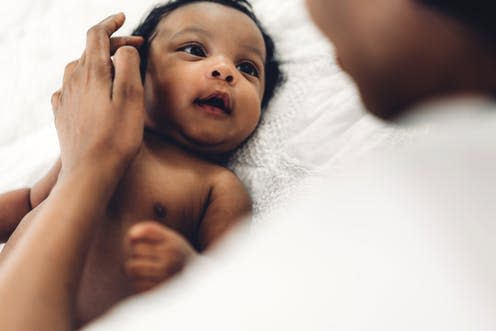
{"x":115,"y":44}
{"x":127,"y":85}
{"x":68,"y":71}
{"x":97,"y":51}
{"x":118,"y":42}
{"x":56,"y":101}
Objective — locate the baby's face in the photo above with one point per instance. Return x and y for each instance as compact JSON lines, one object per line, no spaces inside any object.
{"x":205,"y":77}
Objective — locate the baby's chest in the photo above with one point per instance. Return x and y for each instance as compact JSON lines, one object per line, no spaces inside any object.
{"x":174,"y":196}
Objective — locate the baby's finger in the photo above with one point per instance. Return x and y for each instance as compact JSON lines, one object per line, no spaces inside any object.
{"x":153,"y":270}
{"x":143,"y":285}
{"x":97,"y":51}
{"x":145,"y":250}
{"x":127,"y":87}
{"x":144,"y":269}
{"x":118,"y":42}
{"x":148,"y":231}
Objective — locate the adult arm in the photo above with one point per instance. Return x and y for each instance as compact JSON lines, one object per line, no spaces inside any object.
{"x":14,"y":205}
{"x":39,"y":278}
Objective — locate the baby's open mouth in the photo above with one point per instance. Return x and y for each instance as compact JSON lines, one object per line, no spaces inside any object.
{"x":217,"y":100}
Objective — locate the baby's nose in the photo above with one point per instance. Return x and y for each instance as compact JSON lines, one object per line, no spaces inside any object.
{"x":223,"y":70}
{"x":227,"y":77}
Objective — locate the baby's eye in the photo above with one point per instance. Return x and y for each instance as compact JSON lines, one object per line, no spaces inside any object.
{"x":193,"y":49}
{"x":248,"y":68}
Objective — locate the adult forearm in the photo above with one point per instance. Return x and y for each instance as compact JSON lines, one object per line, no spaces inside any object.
{"x":40,"y":276}
{"x":99,"y":116}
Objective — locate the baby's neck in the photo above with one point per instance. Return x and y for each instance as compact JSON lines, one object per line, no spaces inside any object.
{"x":158,"y":142}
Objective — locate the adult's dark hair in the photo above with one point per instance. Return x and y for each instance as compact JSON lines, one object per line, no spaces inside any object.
{"x":478,"y":14}
{"x":273,"y":74}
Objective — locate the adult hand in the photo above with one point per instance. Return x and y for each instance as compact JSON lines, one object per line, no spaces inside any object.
{"x":99,"y":112}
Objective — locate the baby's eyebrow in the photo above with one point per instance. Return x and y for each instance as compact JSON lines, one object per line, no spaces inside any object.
{"x":192,"y":29}
{"x":255,"y":50}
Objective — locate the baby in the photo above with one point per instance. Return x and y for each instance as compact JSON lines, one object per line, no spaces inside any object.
{"x":208,"y":69}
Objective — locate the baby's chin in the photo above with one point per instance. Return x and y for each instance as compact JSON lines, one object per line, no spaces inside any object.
{"x":201,"y":146}
{"x":207,"y":144}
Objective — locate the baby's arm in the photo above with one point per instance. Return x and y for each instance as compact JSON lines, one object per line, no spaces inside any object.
{"x":14,"y":205}
{"x":229,"y":203}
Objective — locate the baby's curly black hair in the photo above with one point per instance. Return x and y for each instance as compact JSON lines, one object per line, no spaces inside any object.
{"x":273,"y":74}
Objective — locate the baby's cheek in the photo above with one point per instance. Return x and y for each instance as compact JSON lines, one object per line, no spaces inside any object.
{"x":250,"y":121}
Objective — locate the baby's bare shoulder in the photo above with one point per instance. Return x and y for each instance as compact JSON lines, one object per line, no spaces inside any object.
{"x":229,"y":203}
{"x":223,"y":178}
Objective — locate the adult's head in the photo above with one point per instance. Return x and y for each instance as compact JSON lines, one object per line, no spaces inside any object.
{"x":403,"y":51}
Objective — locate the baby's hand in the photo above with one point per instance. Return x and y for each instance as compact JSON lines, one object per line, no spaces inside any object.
{"x":155,"y":254}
